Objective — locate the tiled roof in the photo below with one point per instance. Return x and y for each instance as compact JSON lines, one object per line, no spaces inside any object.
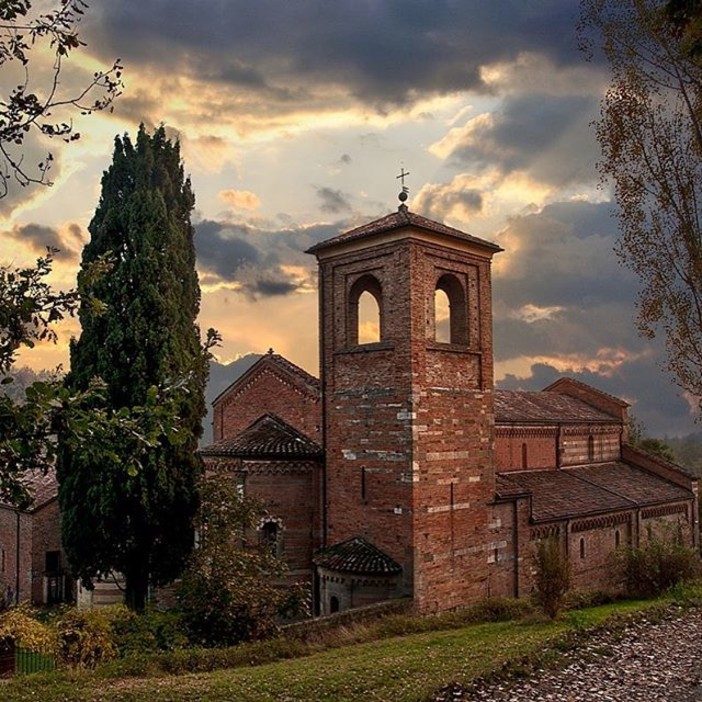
{"x":268,"y":437}
{"x":588,"y":490}
{"x":512,"y":406}
{"x":637,"y":485}
{"x":506,"y":488}
{"x":42,"y":486}
{"x":357,"y":556}
{"x":397,"y":220}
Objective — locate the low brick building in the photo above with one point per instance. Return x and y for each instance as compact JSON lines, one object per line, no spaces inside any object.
{"x":403,"y":472}
{"x":32,"y":560}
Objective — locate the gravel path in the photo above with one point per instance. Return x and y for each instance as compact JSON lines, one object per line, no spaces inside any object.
{"x":647,"y":662}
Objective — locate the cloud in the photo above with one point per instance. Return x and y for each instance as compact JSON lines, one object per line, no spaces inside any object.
{"x":388,"y":53}
{"x":68,"y":240}
{"x":548,"y":136}
{"x":255,"y":262}
{"x":333,"y":201}
{"x":241,"y":199}
{"x":462,"y":198}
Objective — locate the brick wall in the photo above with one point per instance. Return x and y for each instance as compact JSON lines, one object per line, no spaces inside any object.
{"x":46,"y":536}
{"x":266,"y":389}
{"x":509,"y":550}
{"x":524,"y":448}
{"x":290,"y":492}
{"x":409,"y":421}
{"x":579,"y":441}
{"x":12,"y":570}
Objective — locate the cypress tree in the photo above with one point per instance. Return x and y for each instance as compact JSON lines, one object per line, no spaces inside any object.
{"x":138,"y":522}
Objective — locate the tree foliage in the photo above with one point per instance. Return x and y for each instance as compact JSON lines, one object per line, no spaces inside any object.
{"x":651,"y":139}
{"x":231,"y":590}
{"x":32,"y":415}
{"x":146,"y":342}
{"x":551,"y":577}
{"x":37,"y":101}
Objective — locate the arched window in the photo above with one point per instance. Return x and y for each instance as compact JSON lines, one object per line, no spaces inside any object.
{"x":365,"y":311}
{"x":333,"y":604}
{"x":368,"y":319}
{"x":591,"y":448}
{"x":582,"y":548}
{"x":442,"y":317}
{"x":525,"y":456}
{"x":617,"y":539}
{"x":270,"y":537}
{"x":450,"y":311}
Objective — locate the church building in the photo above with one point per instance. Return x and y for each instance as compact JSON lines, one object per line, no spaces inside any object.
{"x":402,"y":471}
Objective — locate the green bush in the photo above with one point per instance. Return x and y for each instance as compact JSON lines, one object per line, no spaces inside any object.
{"x":85,"y":638}
{"x":552,"y":577}
{"x":149,"y":633}
{"x":657,"y":566}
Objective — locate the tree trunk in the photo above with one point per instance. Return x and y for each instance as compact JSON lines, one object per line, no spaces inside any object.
{"x":137,"y":590}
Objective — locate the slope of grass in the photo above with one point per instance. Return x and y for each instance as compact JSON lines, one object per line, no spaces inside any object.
{"x":400,"y":668}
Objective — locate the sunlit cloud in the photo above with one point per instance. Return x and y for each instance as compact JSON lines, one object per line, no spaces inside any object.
{"x":240,"y":199}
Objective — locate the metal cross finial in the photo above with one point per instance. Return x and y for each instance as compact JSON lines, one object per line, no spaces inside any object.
{"x":403,"y":195}
{"x":402,"y":176}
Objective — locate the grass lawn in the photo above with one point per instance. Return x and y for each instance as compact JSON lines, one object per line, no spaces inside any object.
{"x":396,"y":669}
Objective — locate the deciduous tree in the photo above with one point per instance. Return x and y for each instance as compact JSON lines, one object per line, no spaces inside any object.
{"x":35,"y":100}
{"x":138,"y":522}
{"x":650,"y":132}
{"x":229,"y":591}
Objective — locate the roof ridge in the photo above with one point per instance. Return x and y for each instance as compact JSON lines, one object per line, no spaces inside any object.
{"x":397,"y":220}
{"x":266,"y":436}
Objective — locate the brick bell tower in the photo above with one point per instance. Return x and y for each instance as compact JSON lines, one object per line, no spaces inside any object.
{"x":408,"y":421}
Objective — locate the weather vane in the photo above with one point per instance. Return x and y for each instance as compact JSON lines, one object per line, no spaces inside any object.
{"x":403,"y":195}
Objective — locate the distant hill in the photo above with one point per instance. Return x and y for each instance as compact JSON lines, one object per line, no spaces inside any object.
{"x":221,"y":376}
{"x":688,"y":451}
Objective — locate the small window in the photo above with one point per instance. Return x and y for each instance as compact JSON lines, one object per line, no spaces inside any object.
{"x":270,"y":537}
{"x":617,"y":539}
{"x":582,"y":548}
{"x":525,"y":457}
{"x":333,"y":604}
{"x":590,"y":448}
{"x":363,"y":483}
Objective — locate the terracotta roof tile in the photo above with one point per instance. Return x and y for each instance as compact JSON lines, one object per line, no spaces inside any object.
{"x":635,"y":484}
{"x":42,"y":486}
{"x":357,"y":556}
{"x":515,"y":406}
{"x":397,"y":220}
{"x":558,"y":494}
{"x":268,"y":437}
{"x":587,"y":490}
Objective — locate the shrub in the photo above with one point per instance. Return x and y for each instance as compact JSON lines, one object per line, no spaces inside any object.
{"x":85,"y":638}
{"x":228,"y":592}
{"x":552,"y":578}
{"x":149,"y":633}
{"x":657,"y":566}
{"x":20,"y":625}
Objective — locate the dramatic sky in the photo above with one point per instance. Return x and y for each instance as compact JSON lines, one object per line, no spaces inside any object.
{"x":294,"y":120}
